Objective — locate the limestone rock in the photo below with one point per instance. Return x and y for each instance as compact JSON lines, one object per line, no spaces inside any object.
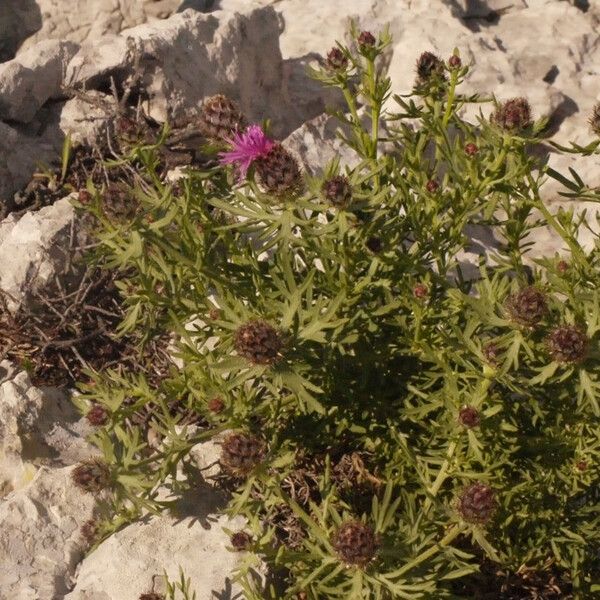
{"x":18,"y":20}
{"x":132,"y":561}
{"x":35,"y":250}
{"x":27,"y":82}
{"x":40,"y":541}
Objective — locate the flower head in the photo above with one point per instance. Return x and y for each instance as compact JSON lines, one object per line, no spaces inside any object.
{"x":355,"y":543}
{"x":246,"y":147}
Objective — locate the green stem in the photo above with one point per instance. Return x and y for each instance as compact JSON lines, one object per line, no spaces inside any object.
{"x":450,"y":101}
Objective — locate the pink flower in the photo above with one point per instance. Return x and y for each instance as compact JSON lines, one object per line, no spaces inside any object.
{"x":246,"y":148}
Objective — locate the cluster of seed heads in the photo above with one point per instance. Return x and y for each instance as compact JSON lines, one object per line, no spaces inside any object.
{"x":258,"y":342}
{"x":477,"y":503}
{"x":355,"y":543}
{"x":241,"y":453}
{"x":527,"y":307}
{"x":513,"y":115}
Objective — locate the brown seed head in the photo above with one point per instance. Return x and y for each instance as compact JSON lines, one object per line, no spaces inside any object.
{"x":241,"y":540}
{"x":454,"y":62}
{"x":429,"y":67}
{"x":471,"y":149}
{"x":477,"y":503}
{"x":337,"y":60}
{"x":337,"y":191}
{"x":355,"y":543}
{"x":527,"y":307}
{"x":469,"y":417}
{"x":432,"y":186}
{"x":595,"y":119}
{"x":220,"y":118}
{"x":259,"y":342}
{"x":513,"y":115}
{"x":97,"y":415}
{"x":366,"y":39}
{"x":241,"y":452}
{"x":567,"y":344}
{"x":278,"y":171}
{"x":216,"y":405}
{"x":91,"y":475}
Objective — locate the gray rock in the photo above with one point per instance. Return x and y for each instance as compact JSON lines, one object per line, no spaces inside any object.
{"x":132,"y":561}
{"x":18,"y":20}
{"x":40,"y":541}
{"x":35,"y":249}
{"x":28,"y":81}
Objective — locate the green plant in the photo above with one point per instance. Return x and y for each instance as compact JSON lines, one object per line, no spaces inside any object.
{"x":398,"y":423}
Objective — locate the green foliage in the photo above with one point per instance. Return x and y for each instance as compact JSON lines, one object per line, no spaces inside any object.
{"x":386,"y":335}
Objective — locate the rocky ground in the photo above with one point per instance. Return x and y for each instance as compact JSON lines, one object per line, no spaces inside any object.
{"x":67,"y":66}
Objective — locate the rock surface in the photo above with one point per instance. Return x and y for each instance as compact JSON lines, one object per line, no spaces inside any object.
{"x":40,"y":540}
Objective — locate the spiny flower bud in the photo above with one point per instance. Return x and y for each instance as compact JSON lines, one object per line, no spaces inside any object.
{"x":241,"y":452}
{"x":338,"y":191}
{"x":355,"y":543}
{"x":429,"y":67}
{"x":513,"y":115}
{"x":216,"y":405}
{"x":562,"y":266}
{"x":241,"y":540}
{"x":366,"y":39}
{"x":152,"y":596}
{"x":220,"y":118}
{"x":567,"y":344}
{"x":91,"y":475}
{"x":581,"y":465}
{"x":278,"y":171}
{"x":97,"y":415}
{"x":469,"y":417}
{"x":471,"y":149}
{"x":477,"y":503}
{"x":337,"y":60}
{"x":454,"y":62}
{"x":527,"y":307}
{"x":259,"y":342}
{"x":420,"y":291}
{"x":595,"y":119}
{"x":432,"y":186}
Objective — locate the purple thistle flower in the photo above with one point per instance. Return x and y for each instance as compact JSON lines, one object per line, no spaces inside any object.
{"x":246,"y":148}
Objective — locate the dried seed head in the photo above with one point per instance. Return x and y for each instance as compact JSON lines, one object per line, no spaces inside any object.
{"x":241,"y":540}
{"x":91,"y":475}
{"x":513,"y":115}
{"x":420,"y":291}
{"x":595,"y":119}
{"x":278,"y":171}
{"x":152,"y":596}
{"x":469,"y":417}
{"x":429,"y":67}
{"x":477,"y":503}
{"x":89,"y":531}
{"x":241,"y":452}
{"x":432,"y":186}
{"x":527,"y":307}
{"x":337,"y":60}
{"x":567,"y":344}
{"x":366,"y":39}
{"x":471,"y":149}
{"x":337,"y":191}
{"x":374,"y":244}
{"x":220,"y":118}
{"x":454,"y":62}
{"x":97,"y":415}
{"x":491,"y":353}
{"x":216,"y":405}
{"x":259,"y":342}
{"x":355,"y":543}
